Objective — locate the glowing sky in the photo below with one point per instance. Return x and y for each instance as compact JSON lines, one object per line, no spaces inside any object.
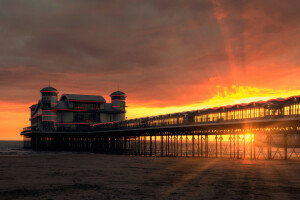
{"x":167,"y":56}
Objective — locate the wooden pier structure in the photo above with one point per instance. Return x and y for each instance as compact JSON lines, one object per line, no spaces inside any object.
{"x":213,"y":140}
{"x":265,"y":130}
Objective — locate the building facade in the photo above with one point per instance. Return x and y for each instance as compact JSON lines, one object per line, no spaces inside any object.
{"x":75,"y":112}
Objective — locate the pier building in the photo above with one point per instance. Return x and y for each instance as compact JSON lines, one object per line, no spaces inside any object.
{"x":75,"y":111}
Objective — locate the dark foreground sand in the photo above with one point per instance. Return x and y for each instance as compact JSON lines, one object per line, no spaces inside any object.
{"x":96,"y":176}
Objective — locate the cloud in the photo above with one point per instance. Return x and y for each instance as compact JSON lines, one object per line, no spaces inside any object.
{"x":159,"y":52}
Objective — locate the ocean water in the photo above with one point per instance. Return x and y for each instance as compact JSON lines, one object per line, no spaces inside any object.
{"x":13,"y":148}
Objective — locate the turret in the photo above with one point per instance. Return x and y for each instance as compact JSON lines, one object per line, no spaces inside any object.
{"x":49,"y":101}
{"x":118,"y":100}
{"x":118,"y":103}
{"x":49,"y":98}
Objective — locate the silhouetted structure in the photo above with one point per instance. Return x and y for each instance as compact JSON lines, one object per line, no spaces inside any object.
{"x":256,"y":130}
{"x":74,"y":111}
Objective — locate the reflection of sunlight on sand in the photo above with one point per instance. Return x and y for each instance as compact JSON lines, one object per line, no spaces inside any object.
{"x":248,"y":161}
{"x":196,"y":173}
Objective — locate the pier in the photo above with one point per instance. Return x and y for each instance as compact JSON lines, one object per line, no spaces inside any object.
{"x":273,"y":133}
{"x":239,"y":146}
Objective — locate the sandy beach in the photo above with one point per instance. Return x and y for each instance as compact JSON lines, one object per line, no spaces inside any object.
{"x":97,"y":176}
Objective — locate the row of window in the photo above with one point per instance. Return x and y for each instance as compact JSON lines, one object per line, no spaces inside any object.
{"x":156,"y":122}
{"x":249,"y":113}
{"x":49,"y":94}
{"x":118,"y":98}
{"x":89,"y":106}
{"x":86,"y":117}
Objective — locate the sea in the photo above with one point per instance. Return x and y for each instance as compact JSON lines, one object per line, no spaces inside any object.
{"x":13,"y":148}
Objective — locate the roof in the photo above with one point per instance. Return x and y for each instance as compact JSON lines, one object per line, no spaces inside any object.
{"x":118,"y":93}
{"x":33,"y":106}
{"x":48,"y":89}
{"x":83,"y":98}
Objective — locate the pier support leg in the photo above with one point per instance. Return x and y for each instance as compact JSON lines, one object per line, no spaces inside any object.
{"x":216,"y":145}
{"x":162,"y":146}
{"x":251,"y":146}
{"x":285,"y":146}
{"x":198,"y":146}
{"x":254,"y":146}
{"x":193,"y":142}
{"x":230,"y":146}
{"x":206,"y":146}
{"x":234,"y":139}
{"x":270,"y":146}
{"x":171,"y":145}
{"x":181,"y":144}
{"x":186,"y":145}
{"x":124,"y":145}
{"x":177,"y":144}
{"x":174,"y":145}
{"x":244,"y":146}
{"x":238,"y":146}
{"x":129,"y":145}
{"x":201,"y":145}
{"x":145,"y":145}
{"x":221,"y":138}
{"x":168,"y":146}
{"x":155,"y":145}
{"x":140,"y":145}
{"x":150,"y":145}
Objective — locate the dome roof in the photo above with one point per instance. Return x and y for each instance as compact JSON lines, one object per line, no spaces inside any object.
{"x":118,"y":93}
{"x":48,"y":89}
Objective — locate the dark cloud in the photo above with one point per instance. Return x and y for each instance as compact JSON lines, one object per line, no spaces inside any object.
{"x":160,"y":51}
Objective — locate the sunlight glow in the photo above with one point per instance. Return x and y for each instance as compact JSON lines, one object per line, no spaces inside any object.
{"x":224,"y":96}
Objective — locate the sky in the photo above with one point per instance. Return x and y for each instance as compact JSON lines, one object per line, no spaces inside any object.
{"x":167,"y":56}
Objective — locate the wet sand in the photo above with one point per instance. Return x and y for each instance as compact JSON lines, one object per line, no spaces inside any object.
{"x":97,"y":176}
